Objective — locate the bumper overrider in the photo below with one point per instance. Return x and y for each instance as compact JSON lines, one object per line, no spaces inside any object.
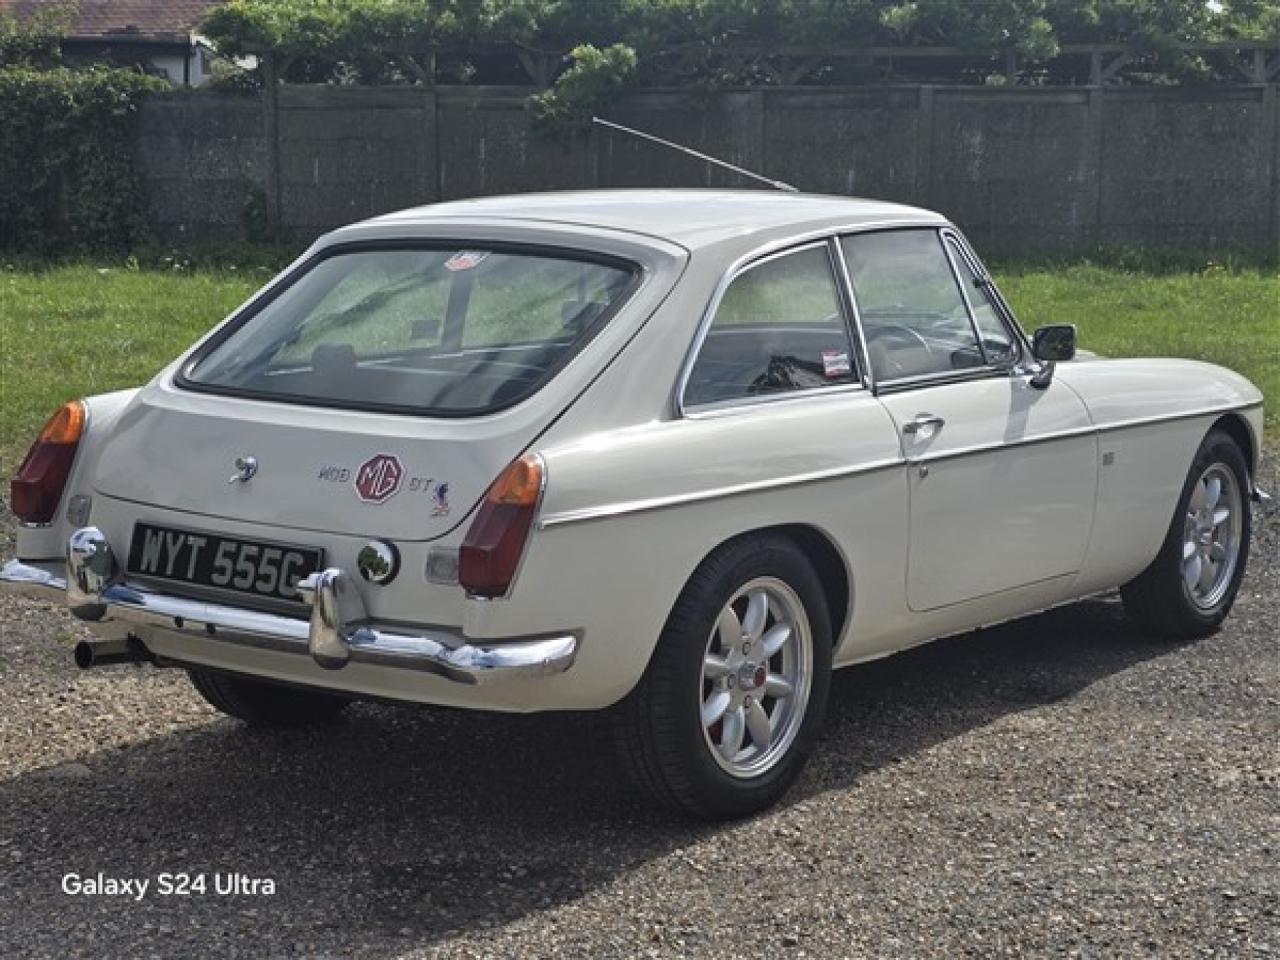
{"x":339,"y":630}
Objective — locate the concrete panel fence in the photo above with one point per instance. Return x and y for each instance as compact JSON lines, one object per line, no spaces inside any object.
{"x":1021,"y":169}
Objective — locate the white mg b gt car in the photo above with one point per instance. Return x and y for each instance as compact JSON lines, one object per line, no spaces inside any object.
{"x":677,"y":454}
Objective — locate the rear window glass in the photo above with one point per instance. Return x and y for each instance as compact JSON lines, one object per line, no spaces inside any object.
{"x":454,"y":331}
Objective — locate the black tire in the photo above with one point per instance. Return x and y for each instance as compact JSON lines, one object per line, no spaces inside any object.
{"x":1189,"y":588}
{"x":263,"y":704}
{"x":778,"y":669}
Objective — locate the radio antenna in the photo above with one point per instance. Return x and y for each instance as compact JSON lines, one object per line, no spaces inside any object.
{"x":776,"y":184}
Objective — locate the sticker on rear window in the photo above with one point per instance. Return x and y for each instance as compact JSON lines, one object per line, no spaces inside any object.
{"x":466,"y":260}
{"x":835,"y":363}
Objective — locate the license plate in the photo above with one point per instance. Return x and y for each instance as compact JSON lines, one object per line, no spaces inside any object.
{"x":269,"y":570}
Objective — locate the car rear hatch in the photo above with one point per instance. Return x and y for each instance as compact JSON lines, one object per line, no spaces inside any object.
{"x":293,"y":467}
{"x":381,"y":386}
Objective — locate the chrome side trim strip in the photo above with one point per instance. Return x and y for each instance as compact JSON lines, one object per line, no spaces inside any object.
{"x":961,"y":452}
{"x":1099,"y":431}
{"x":1170,"y":417}
{"x":718,"y":493}
{"x":678,"y":499}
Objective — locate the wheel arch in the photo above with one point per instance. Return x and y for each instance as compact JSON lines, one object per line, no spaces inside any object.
{"x":1238,"y":429}
{"x":828,"y":563}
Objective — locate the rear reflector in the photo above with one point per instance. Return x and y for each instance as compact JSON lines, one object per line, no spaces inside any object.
{"x":39,"y":484}
{"x":493,"y":546}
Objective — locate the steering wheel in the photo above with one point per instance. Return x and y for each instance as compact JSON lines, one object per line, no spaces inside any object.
{"x":888,"y":363}
{"x":898,"y":333}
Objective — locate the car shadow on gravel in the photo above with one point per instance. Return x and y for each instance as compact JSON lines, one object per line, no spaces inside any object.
{"x":399,"y":826}
{"x":887,"y":710}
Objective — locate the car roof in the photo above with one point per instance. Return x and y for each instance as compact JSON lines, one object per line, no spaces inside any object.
{"x":691,"y":218}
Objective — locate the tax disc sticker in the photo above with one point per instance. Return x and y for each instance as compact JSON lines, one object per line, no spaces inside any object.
{"x":466,"y":260}
{"x":835,"y":363}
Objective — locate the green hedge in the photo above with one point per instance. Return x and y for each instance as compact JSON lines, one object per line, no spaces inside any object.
{"x":69,"y":178}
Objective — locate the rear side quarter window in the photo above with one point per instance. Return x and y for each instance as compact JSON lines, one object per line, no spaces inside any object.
{"x":777,"y":328}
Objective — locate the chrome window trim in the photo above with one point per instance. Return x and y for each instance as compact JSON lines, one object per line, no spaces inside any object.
{"x":855,"y":313}
{"x":944,"y":378}
{"x":829,"y":234}
{"x":757,"y":258}
{"x":949,"y":251}
{"x":726,"y":408}
{"x":1019,"y":337}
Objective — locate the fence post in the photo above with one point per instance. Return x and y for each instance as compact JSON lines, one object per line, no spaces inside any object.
{"x":1270,"y":147}
{"x":432,"y":188}
{"x":760,"y":134}
{"x":271,"y":133}
{"x":925,"y":137}
{"x":1094,"y":229}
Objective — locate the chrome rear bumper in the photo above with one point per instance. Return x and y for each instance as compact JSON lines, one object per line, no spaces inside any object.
{"x":339,"y":631}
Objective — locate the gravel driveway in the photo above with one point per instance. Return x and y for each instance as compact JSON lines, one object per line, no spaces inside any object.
{"x":1056,"y":787}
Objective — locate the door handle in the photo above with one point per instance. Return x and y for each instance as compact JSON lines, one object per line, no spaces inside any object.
{"x":926,"y":423}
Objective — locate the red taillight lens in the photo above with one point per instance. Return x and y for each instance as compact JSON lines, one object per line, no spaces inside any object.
{"x":37,"y":488}
{"x":491,"y":551}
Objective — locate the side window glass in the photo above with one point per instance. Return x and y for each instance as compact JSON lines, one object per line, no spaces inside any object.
{"x":778,"y":328}
{"x":996,"y":342}
{"x":914,"y":318}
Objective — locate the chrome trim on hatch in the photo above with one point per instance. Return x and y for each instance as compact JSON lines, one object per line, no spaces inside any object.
{"x":340,"y":630}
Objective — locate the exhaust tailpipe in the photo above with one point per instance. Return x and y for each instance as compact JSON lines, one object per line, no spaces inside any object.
{"x":103,"y":653}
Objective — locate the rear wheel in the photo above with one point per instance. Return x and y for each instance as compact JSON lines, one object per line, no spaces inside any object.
{"x":265,"y":704}
{"x":1189,"y":588}
{"x":727,"y":712}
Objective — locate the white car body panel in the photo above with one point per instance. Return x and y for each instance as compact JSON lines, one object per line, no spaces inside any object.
{"x":1024,"y":498}
{"x":1149,"y":414}
{"x":1001,"y":494}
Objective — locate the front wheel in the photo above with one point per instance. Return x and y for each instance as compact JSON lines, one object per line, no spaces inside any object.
{"x":727,"y":712}
{"x":1189,"y":588}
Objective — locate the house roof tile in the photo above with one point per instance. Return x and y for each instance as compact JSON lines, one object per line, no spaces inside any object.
{"x":116,"y":18}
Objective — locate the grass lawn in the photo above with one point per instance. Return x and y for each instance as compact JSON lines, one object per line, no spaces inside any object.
{"x":1229,"y":318}
{"x":70,"y":331}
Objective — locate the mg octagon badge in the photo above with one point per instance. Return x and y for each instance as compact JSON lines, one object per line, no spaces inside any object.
{"x":378,"y":478}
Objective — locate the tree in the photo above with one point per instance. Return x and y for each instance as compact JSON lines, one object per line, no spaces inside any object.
{"x":34,"y":42}
{"x":712,"y":42}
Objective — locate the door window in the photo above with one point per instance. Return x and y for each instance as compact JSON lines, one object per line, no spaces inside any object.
{"x":915,"y":320}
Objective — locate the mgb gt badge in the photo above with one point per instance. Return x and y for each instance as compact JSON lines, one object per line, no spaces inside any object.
{"x":246,"y":467}
{"x":378,"y":478}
